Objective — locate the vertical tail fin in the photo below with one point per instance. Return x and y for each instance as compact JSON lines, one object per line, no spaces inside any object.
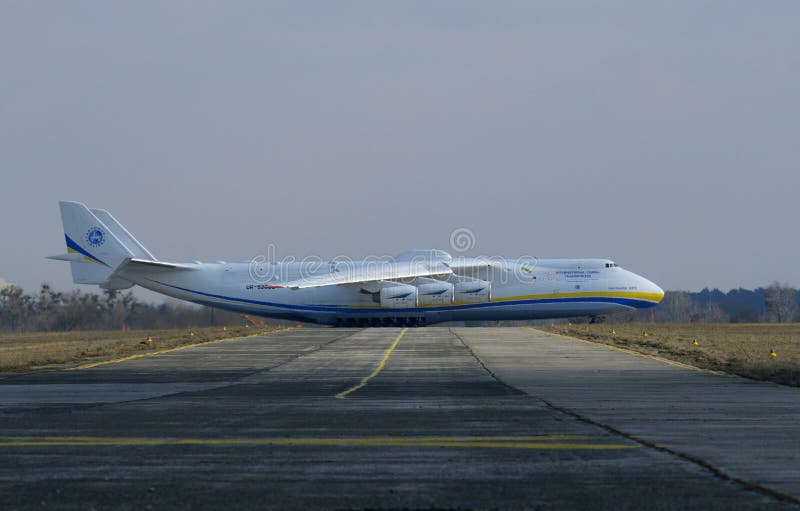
{"x":93,"y":249}
{"x":122,"y":234}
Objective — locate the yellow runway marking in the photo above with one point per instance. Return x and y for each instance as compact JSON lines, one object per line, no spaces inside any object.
{"x":167,"y":350}
{"x":639,"y":354}
{"x":501,"y":442}
{"x":366,"y":379}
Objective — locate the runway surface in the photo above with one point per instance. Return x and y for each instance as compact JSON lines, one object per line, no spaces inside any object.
{"x":463,"y":418}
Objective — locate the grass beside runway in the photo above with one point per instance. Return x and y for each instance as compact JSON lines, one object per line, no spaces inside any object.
{"x":21,"y":351}
{"x":742,"y":349}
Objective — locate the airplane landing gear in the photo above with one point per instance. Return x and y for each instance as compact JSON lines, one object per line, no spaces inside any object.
{"x":380,"y":322}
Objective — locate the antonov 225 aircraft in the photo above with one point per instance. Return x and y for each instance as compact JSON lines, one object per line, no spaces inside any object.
{"x":418,"y":287}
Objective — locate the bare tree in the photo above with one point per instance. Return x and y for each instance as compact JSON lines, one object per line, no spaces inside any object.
{"x":15,"y":307}
{"x":780,"y":303}
{"x":678,"y":307}
{"x":713,"y":313}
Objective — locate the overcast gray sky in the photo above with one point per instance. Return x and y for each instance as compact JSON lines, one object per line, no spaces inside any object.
{"x":663,"y":135}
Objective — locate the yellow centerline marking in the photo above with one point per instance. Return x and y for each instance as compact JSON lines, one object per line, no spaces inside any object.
{"x":366,"y":379}
{"x":499,"y":442}
{"x":168,"y":350}
{"x":638,"y":354}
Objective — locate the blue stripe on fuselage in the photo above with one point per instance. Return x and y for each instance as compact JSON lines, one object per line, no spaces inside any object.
{"x":630,"y":302}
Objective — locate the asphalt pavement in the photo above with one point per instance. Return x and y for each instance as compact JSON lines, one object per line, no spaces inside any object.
{"x":389,"y":418}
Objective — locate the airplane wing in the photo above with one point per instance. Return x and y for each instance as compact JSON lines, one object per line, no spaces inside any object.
{"x":344,"y":274}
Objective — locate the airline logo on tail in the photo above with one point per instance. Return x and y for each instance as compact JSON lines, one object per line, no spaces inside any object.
{"x":95,"y":236}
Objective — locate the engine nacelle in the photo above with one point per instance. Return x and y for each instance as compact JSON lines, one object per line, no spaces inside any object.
{"x":435,"y":293}
{"x":401,"y":296}
{"x":472,"y":291}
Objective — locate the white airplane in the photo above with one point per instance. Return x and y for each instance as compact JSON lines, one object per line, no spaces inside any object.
{"x":418,"y":287}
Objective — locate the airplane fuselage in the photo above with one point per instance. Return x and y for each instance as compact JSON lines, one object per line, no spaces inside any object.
{"x":546,"y":288}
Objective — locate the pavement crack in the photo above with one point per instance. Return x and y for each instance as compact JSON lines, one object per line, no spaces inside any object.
{"x":708,"y":467}
{"x":511,"y":388}
{"x":715,"y":471}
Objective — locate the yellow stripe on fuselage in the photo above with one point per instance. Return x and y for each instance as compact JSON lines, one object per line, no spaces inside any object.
{"x":634,"y":295}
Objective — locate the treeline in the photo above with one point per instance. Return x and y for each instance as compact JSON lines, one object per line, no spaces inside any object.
{"x":50,"y":310}
{"x":777,"y":303}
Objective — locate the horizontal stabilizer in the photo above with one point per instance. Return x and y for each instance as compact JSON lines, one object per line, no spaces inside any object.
{"x":71,"y":258}
{"x":133,"y":264}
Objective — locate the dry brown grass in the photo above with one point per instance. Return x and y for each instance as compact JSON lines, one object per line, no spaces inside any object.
{"x":23,"y":351}
{"x":741,"y":349}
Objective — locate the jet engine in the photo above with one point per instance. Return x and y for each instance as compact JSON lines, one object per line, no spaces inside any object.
{"x":435,"y":293}
{"x":472,"y":291}
{"x":401,"y":296}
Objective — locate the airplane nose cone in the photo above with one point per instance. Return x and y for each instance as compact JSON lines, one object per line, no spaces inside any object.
{"x":657,"y":294}
{"x":660,"y":293}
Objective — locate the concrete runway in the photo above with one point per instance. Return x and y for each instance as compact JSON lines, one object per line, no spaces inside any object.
{"x":463,"y":418}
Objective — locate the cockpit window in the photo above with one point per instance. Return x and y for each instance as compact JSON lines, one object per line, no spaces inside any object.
{"x":611,"y":265}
